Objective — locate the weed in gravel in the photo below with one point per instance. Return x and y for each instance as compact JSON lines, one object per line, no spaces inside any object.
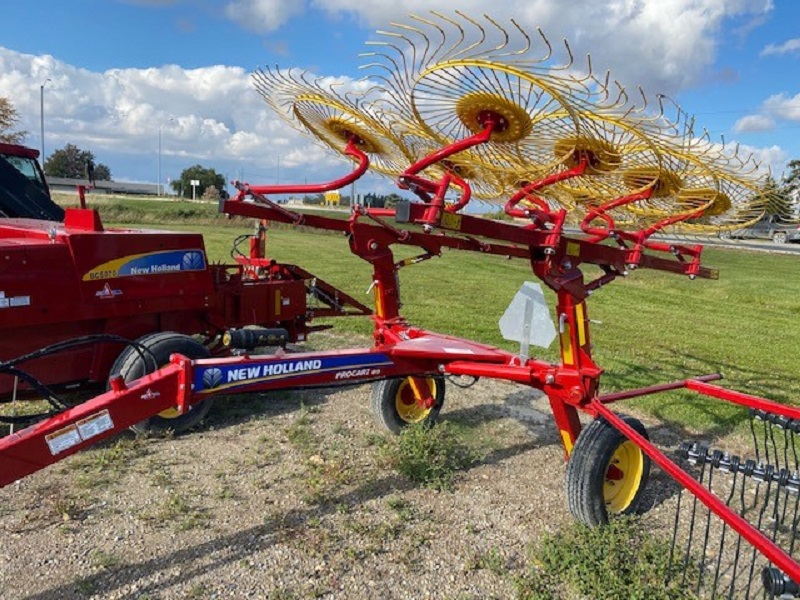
{"x":104,"y":560}
{"x":322,"y":477}
{"x":87,"y":586}
{"x":492,"y":560}
{"x":160,"y":476}
{"x":225,"y":492}
{"x":373,"y":439}
{"x":401,"y":507}
{"x":109,"y":463}
{"x":299,"y":432}
{"x":177,"y":511}
{"x":196,"y":590}
{"x":620,"y":560}
{"x":341,"y":428}
{"x":67,"y":506}
{"x":431,"y":456}
{"x":282,"y":594}
{"x":414,"y":549}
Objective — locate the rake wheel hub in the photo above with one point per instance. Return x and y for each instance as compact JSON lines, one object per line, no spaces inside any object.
{"x":664,"y":183}
{"x":511,"y":122}
{"x":600,"y":155}
{"x":348,"y":131}
{"x":713,"y":202}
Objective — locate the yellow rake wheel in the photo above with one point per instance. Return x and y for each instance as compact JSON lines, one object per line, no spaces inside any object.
{"x":607,"y":473}
{"x":332,"y":119}
{"x":335,"y":123}
{"x":623,"y":477}
{"x":395,"y":406}
{"x":456,"y":99}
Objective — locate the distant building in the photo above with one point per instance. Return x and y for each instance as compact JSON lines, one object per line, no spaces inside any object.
{"x":64,"y":184}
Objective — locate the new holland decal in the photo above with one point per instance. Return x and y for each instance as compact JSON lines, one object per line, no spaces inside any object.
{"x":228,"y":377}
{"x":149,"y":263}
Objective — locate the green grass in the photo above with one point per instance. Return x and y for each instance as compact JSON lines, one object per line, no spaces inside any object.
{"x":431,"y":457}
{"x":656,"y":326}
{"x":621,"y":560}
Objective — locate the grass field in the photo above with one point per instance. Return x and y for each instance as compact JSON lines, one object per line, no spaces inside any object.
{"x":651,"y":327}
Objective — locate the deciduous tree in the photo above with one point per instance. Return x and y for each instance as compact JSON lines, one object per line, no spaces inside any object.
{"x":70,"y":161}
{"x":8,"y":121}
{"x":206,"y":177}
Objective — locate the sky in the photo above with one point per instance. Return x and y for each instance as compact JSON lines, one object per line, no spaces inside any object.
{"x":152,"y":87}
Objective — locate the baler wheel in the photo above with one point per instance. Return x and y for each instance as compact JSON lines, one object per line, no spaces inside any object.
{"x":607,"y":473}
{"x":132,"y":364}
{"x":395,"y":406}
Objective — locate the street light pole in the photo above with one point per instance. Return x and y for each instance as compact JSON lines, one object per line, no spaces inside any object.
{"x":160,"y":127}
{"x":41,"y":113}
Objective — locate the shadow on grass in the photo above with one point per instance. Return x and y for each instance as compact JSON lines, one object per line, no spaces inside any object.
{"x":236,"y":409}
{"x":688,"y":414}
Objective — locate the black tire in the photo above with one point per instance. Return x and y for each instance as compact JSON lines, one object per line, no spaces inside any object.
{"x":132,"y":364}
{"x":394,"y":407}
{"x":593,"y":493}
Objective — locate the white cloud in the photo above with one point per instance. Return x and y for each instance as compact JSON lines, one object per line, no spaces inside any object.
{"x":783,"y":107}
{"x":786,"y":47}
{"x":754,"y":123}
{"x":664,"y":45}
{"x":263,"y":15}
{"x":210,"y":115}
{"x":771,"y":158}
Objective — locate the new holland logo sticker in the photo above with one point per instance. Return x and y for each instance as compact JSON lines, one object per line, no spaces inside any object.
{"x":149,"y":263}
{"x":212,"y":378}
{"x":230,"y":376}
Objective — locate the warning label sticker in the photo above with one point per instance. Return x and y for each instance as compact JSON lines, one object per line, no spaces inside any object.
{"x":63,"y":439}
{"x":72,"y":435}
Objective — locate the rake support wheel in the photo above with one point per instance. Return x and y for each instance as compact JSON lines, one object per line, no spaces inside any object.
{"x":607,"y":473}
{"x":132,"y":364}
{"x":395,"y":407}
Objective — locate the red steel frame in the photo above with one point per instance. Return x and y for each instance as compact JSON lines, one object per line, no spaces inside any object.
{"x":401,"y":350}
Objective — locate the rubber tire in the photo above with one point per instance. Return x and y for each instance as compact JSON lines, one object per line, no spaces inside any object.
{"x":384,"y":409}
{"x":779,"y":237}
{"x":130,"y":365}
{"x":587,"y":466}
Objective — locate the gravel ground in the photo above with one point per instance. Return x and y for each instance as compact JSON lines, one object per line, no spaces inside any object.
{"x":285,"y":495}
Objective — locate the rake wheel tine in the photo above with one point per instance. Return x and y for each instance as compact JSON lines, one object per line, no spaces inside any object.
{"x":708,"y":528}
{"x":754,"y":554}
{"x":735,"y":468}
{"x":753,"y":432}
{"x":688,"y":550}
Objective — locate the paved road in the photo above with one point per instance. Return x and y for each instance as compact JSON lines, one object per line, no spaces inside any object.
{"x":756,"y":245}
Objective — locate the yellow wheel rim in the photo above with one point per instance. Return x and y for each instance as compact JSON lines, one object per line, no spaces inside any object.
{"x":664,"y":183}
{"x":405,"y":402}
{"x":601,"y":156}
{"x":623,"y":477}
{"x":712,"y":202}
{"x":170,"y":413}
{"x":345,"y":129}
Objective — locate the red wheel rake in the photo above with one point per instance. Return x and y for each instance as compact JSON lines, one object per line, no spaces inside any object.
{"x":563,"y":151}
